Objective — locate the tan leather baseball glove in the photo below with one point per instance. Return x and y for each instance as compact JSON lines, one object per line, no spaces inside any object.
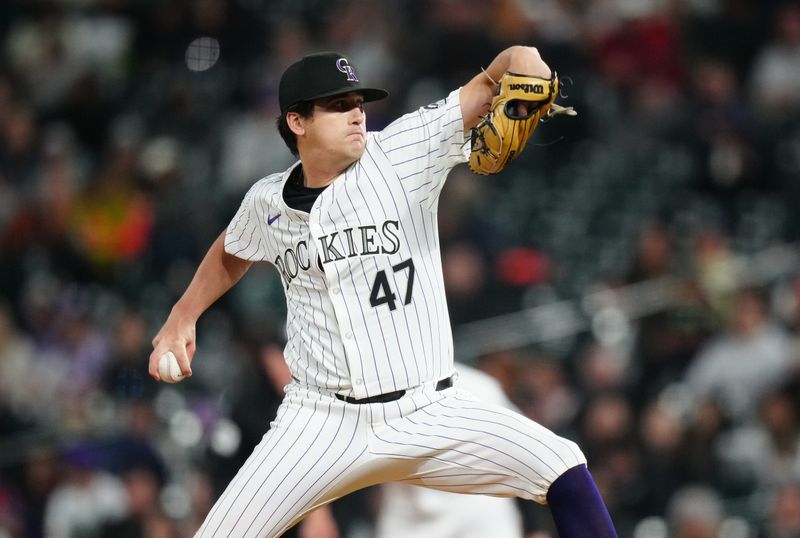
{"x":520,"y":103}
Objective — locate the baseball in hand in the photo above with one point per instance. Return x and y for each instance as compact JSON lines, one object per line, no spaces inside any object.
{"x":169,"y":369}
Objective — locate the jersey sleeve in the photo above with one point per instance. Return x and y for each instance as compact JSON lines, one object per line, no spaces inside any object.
{"x":244,"y":237}
{"x":423,"y":146}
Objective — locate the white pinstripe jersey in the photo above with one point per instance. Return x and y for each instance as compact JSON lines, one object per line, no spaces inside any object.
{"x":362,"y":271}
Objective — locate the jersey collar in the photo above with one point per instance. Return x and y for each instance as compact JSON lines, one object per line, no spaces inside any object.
{"x":293,"y":214}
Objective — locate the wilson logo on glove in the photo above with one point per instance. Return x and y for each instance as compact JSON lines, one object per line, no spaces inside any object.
{"x":513,"y":116}
{"x":527,"y":88}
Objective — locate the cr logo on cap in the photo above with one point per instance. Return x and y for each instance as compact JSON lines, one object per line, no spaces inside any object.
{"x":347,"y":69}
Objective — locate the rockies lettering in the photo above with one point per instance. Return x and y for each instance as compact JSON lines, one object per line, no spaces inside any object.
{"x":368,"y":240}
{"x":364,"y":245}
{"x":292,"y":261}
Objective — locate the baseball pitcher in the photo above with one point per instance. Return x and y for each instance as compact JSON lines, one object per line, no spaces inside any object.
{"x":352,"y":229}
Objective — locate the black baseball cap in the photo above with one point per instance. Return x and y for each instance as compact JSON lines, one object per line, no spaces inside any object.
{"x":322,"y":74}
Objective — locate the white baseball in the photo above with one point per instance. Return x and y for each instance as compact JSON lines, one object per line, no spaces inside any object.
{"x":169,"y":369}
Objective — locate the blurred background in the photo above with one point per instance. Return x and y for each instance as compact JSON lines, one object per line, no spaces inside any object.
{"x":632,"y":280}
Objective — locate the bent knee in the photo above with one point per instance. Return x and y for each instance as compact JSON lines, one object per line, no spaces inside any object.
{"x":560,"y":455}
{"x":569,"y":455}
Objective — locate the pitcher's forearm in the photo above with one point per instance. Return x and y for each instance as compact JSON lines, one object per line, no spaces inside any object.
{"x":216,"y":274}
{"x":518,"y":59}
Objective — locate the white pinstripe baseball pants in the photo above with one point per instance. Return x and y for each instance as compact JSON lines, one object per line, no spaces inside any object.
{"x":320,"y":448}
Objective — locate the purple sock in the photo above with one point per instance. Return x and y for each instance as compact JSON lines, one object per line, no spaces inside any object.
{"x":576,"y":506}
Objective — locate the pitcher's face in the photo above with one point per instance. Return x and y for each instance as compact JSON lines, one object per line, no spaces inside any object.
{"x":338,"y":127}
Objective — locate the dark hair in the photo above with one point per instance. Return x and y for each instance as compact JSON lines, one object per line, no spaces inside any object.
{"x":306,"y":110}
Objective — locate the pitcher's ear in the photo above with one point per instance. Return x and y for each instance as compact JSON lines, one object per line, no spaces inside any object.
{"x":296,"y":123}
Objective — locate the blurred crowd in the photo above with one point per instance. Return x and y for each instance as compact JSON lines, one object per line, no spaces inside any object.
{"x":130,"y":129}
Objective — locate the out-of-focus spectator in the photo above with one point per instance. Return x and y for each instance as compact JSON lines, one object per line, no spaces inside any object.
{"x":716,"y":268}
{"x":504,"y":367}
{"x":663,"y":459}
{"x":784,"y":513}
{"x":608,"y":433}
{"x":124,"y":379}
{"x":71,"y":358}
{"x":666,"y":340}
{"x":775,"y":81}
{"x":18,"y":151}
{"x":730,"y":30}
{"x":780,"y":461}
{"x":368,"y":45}
{"x":144,"y":515}
{"x":251,"y":143}
{"x":464,"y":270}
{"x":42,"y":218}
{"x":602,"y":369}
{"x":607,"y":422}
{"x":10,"y":521}
{"x":740,"y":365}
{"x":201,"y":498}
{"x":134,"y":446}
{"x":16,"y":361}
{"x":113,"y":219}
{"x":723,"y":135}
{"x":41,"y":474}
{"x":52,"y":52}
{"x":87,"y":499}
{"x":654,"y":256}
{"x":695,"y":512}
{"x":545,"y":395}
{"x":765,"y":454}
{"x":180,"y":210}
{"x":637,"y":49}
{"x":706,"y":428}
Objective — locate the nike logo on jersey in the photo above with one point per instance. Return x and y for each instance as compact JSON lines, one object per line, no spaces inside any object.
{"x":271,"y":219}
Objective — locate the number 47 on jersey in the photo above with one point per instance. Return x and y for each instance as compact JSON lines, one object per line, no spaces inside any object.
{"x":381,"y":290}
